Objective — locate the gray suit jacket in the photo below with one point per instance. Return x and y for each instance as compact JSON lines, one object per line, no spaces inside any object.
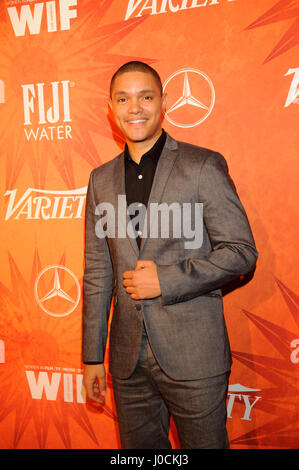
{"x":185,"y":325}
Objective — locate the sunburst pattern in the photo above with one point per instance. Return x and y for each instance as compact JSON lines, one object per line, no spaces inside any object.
{"x":86,"y":56}
{"x":87,"y":63}
{"x":284,"y":10}
{"x":279,"y":401}
{"x":33,"y":339}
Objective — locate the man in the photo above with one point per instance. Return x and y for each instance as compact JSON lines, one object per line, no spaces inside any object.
{"x":169,"y":350}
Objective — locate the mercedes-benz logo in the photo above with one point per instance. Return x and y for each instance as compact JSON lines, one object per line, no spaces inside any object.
{"x":56,"y":297}
{"x":188,"y":110}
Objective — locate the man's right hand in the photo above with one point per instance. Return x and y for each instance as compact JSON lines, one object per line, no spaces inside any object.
{"x":94,"y":381}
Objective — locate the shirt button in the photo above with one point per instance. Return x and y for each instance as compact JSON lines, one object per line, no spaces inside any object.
{"x":140,"y":177}
{"x":138,"y":307}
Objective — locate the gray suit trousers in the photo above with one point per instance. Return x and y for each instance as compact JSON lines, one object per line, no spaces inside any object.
{"x":146,"y":400}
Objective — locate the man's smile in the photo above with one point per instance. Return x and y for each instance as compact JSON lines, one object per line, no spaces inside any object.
{"x":135,"y":121}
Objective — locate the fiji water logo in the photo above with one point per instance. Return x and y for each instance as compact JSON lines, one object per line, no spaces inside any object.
{"x":47,"y":114}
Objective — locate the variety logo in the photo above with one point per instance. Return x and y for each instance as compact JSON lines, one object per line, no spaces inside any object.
{"x":196,"y":101}
{"x":47,"y":106}
{"x":155,"y":7}
{"x":31,"y":17}
{"x":243,"y":394}
{"x":2,"y":92}
{"x":39,"y":204}
{"x":293,"y":96}
{"x":57,"y":291}
{"x":43,"y":385}
{"x":295,"y":354}
{"x":2,"y":352}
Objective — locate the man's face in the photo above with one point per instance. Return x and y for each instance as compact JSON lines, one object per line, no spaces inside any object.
{"x":137,"y":106}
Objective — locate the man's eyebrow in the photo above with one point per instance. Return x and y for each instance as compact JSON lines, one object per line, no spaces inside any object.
{"x":149,"y":90}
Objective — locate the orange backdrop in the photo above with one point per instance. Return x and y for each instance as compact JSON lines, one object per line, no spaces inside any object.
{"x":231,"y":64}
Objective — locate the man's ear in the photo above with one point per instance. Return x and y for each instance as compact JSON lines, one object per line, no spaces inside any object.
{"x":164,"y":101}
{"x":110,"y":104}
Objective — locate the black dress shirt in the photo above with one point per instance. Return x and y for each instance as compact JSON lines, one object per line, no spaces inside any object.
{"x":139,"y":177}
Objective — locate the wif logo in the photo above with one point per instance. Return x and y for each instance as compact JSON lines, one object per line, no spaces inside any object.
{"x":2,"y":92}
{"x":47,"y":386}
{"x":31,"y":17}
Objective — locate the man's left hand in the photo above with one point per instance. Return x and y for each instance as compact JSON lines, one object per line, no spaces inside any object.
{"x":143,"y":281}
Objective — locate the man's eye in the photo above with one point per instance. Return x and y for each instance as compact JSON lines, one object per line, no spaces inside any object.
{"x":148,"y":98}
{"x":122,"y":100}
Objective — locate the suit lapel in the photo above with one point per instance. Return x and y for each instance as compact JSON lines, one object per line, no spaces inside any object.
{"x":122,"y":217}
{"x":163,"y":170}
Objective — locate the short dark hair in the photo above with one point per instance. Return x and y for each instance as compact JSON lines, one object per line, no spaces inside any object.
{"x":137,"y":66}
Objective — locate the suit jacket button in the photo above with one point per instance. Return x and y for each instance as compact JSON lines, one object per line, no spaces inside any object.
{"x":138,"y":307}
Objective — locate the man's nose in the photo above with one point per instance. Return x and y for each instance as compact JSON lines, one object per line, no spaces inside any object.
{"x":135,"y":106}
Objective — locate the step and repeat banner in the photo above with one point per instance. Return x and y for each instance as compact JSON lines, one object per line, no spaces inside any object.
{"x":231,"y":72}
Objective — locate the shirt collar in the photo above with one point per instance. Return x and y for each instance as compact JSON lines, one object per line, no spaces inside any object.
{"x":154,"y":152}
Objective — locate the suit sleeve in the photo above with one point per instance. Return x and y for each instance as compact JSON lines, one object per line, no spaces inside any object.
{"x":97,"y":286}
{"x":233,"y":249}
